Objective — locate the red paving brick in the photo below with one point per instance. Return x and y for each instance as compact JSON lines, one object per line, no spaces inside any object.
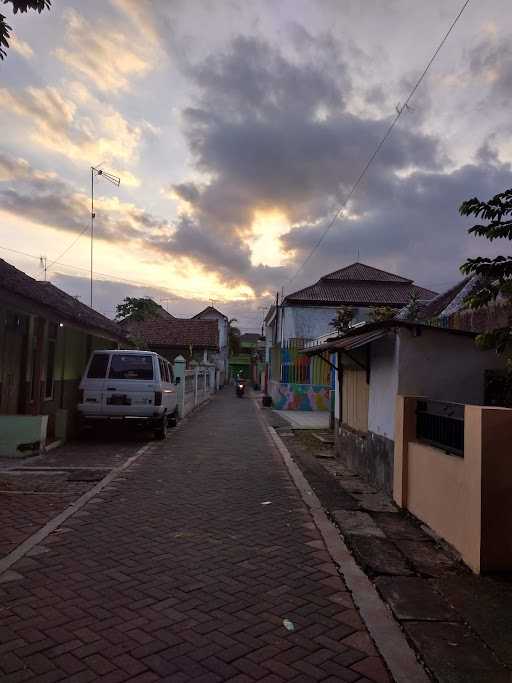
{"x":178,"y":572}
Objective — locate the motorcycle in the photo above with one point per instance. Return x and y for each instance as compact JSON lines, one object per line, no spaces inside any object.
{"x":240,"y":388}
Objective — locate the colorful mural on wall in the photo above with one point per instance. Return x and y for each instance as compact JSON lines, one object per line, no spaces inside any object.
{"x":299,"y":396}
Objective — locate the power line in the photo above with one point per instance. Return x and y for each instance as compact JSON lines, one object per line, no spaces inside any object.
{"x":69,"y":247}
{"x":121,"y":279}
{"x":399,"y":112}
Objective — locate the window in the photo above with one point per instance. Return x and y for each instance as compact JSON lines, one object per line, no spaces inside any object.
{"x":171,"y":373}
{"x":50,"y":360}
{"x":162,"y":371}
{"x":98,"y":366}
{"x":132,"y":366}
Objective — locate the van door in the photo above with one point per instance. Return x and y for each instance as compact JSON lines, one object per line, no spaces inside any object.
{"x":169,"y":394}
{"x":93,"y":384}
{"x":130,"y":385}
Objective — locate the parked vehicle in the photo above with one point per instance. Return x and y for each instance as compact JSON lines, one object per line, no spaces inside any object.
{"x":135,"y":386}
{"x":240,"y":388}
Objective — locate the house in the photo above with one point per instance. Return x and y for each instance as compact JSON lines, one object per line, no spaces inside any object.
{"x":221,"y":359}
{"x":306,"y":314}
{"x":377,"y":362}
{"x":248,"y":362}
{"x":299,"y":382}
{"x":46,"y":337}
{"x":196,"y":340}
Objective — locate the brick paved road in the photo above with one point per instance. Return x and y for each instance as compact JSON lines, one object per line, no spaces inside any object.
{"x":178,"y":572}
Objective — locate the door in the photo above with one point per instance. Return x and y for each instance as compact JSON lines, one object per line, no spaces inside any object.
{"x":93,"y":384}
{"x":12,"y":363}
{"x":130,"y":385}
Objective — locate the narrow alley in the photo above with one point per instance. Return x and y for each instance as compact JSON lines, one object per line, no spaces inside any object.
{"x":198,"y":562}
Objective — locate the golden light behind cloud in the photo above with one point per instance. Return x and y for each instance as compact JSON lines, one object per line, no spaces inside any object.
{"x":267,"y":227}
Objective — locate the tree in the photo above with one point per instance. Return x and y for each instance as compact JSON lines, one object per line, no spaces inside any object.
{"x":494,"y":274}
{"x":380,"y":313}
{"x":413,"y":307}
{"x":233,"y":337}
{"x":344,"y":317}
{"x":18,"y":6}
{"x":138,"y":309}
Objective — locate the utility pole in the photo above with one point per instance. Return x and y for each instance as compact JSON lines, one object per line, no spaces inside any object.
{"x":96,"y":171}
{"x":43,"y":261}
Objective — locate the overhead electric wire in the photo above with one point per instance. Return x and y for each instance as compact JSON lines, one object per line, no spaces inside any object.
{"x":121,"y":279}
{"x":400,"y":110}
{"x":68,"y":248}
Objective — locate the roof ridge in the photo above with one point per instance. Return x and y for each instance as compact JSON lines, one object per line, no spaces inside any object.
{"x":357,"y":264}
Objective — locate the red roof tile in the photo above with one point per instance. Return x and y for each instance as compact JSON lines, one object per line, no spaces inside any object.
{"x":63,"y":306}
{"x":177,"y":333}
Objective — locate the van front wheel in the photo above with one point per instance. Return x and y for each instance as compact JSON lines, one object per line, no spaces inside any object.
{"x":161,"y":430}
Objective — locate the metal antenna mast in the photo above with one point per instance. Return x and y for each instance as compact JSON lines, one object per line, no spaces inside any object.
{"x":97,"y":171}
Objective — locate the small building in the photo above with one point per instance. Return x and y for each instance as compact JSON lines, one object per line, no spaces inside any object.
{"x":307,"y":313}
{"x":196,"y":340}
{"x":46,"y":337}
{"x":298,"y":382}
{"x":221,"y":359}
{"x":377,"y":362}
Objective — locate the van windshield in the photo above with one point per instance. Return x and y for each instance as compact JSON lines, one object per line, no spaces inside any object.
{"x":132,"y":366}
{"x":98,"y":366}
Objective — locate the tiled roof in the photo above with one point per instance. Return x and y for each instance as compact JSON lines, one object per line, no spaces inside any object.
{"x":208,"y":311}
{"x":62,"y":305}
{"x":360,"y":272}
{"x":338,"y":293}
{"x":250,"y":337}
{"x":437,"y":305}
{"x":177,"y":333}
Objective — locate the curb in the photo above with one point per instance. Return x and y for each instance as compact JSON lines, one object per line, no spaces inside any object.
{"x":385,"y":631}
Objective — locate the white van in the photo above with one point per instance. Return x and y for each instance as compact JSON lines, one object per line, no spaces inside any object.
{"x":129,"y":385}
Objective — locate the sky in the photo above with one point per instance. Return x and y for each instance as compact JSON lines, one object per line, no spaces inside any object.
{"x":237,"y":129}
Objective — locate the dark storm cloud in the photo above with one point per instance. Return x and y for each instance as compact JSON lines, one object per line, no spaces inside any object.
{"x":274,"y":133}
{"x":416,"y":228}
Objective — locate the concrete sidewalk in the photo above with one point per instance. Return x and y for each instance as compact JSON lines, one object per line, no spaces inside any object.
{"x":458,"y":623}
{"x":200,"y":562}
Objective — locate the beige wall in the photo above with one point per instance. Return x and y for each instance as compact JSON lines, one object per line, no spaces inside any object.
{"x":355,"y":399}
{"x":465,"y":500}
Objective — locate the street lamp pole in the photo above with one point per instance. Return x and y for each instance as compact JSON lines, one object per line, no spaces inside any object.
{"x":96,"y":171}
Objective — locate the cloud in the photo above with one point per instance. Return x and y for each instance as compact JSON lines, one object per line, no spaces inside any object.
{"x":44,"y":199}
{"x":80,"y":129}
{"x":272,"y":134}
{"x":21,"y":47}
{"x":107,"y":57}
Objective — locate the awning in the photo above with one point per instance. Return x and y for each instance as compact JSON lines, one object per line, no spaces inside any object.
{"x":347,"y":343}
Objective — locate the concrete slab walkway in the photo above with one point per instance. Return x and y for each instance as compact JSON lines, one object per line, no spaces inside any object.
{"x":305,"y":419}
{"x":200,"y":562}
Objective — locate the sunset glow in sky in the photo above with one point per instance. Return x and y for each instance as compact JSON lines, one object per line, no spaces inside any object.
{"x":236,"y":128}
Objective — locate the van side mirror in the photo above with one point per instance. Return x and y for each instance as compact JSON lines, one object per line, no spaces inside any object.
{"x":177,"y":380}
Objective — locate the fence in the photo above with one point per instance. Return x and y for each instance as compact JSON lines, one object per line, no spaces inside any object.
{"x":441,"y":424}
{"x":299,"y":382}
{"x":290,"y":366}
{"x":465,"y":500}
{"x":195,"y":387}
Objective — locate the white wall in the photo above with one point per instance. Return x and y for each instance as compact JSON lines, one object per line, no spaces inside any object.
{"x":444,"y":366}
{"x":383,"y":385}
{"x":312,"y":321}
